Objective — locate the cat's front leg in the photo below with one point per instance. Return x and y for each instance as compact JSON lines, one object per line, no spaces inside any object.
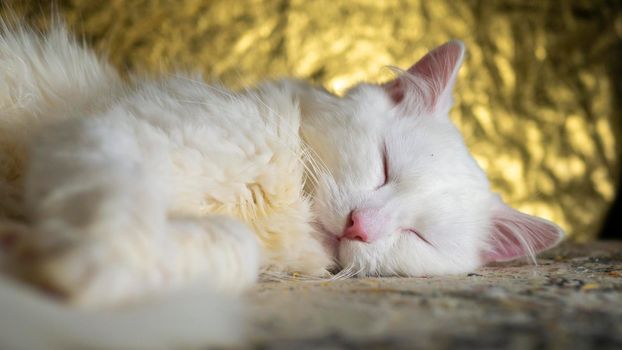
{"x":223,"y":249}
{"x":98,"y":194}
{"x":220,"y":250}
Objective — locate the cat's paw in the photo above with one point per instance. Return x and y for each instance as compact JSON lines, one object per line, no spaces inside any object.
{"x":223,"y":248}
{"x":102,"y":272}
{"x":89,"y":277}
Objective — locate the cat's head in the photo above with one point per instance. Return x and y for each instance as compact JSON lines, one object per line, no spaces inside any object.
{"x":399,"y":192}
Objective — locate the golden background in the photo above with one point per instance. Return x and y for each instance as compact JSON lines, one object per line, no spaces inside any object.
{"x":538,"y":99}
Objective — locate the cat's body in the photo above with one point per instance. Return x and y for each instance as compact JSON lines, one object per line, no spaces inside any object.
{"x":160,"y":165}
{"x":113,"y":190}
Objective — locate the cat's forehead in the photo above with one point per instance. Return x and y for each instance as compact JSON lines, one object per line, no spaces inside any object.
{"x":369,"y":99}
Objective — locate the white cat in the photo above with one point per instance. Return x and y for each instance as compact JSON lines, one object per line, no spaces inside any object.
{"x":114,"y":190}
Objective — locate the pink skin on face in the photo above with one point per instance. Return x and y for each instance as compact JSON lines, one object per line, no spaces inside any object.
{"x":365,"y":225}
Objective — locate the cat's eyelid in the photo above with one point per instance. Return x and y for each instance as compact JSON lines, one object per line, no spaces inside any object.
{"x":385,"y":167}
{"x":419,"y":235}
{"x":385,"y":164}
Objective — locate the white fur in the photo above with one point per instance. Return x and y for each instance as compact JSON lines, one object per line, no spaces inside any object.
{"x":137,"y":186}
{"x":116,"y":191}
{"x":438,"y":188}
{"x":434,"y":186}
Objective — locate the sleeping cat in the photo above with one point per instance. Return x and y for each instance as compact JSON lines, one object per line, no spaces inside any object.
{"x":115,"y":190}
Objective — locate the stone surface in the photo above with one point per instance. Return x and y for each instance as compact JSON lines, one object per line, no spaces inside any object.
{"x":571,"y":299}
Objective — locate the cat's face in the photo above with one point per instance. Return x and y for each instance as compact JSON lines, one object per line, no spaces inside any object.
{"x":400,"y":194}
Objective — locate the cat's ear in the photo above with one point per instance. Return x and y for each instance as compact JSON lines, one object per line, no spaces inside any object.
{"x":428,"y":83}
{"x":515,"y":234}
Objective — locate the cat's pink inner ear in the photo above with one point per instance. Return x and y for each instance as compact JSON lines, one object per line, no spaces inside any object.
{"x":439,"y":66}
{"x":514,"y":235}
{"x":433,"y":75}
{"x":395,"y":89}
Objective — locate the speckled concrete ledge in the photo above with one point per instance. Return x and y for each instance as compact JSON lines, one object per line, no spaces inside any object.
{"x":571,"y":299}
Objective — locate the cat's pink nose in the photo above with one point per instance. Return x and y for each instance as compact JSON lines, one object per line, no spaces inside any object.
{"x":355,"y":230}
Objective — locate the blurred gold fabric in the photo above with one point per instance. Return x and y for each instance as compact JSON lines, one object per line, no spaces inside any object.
{"x":536,"y":99}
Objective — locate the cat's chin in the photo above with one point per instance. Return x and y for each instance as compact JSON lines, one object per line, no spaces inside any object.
{"x":362,"y":259}
{"x":385,"y":258}
{"x":351,"y":256}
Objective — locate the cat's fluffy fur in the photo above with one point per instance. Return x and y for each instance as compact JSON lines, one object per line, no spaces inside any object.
{"x":122,"y":198}
{"x":114,"y":190}
{"x":149,"y":176}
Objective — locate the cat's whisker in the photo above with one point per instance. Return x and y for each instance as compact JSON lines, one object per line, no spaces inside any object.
{"x":342,"y":273}
{"x":315,"y":165}
{"x":309,"y":171}
{"x":349,"y":272}
{"x":314,"y":168}
{"x":313,"y":157}
{"x":318,"y":164}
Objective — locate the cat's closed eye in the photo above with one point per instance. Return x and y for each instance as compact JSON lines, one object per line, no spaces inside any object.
{"x":385,"y":169}
{"x":418,"y":234}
